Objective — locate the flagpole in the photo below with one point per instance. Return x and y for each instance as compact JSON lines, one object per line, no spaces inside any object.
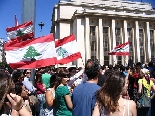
{"x":16,"y":21}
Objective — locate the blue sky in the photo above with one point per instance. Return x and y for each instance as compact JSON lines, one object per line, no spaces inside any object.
{"x":44,"y":8}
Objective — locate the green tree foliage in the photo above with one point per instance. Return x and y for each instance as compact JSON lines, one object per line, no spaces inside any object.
{"x":4,"y":65}
{"x":62,"y":52}
{"x":31,"y":53}
{"x":19,"y":33}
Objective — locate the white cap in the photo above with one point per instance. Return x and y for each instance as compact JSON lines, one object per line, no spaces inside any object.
{"x":144,"y":70}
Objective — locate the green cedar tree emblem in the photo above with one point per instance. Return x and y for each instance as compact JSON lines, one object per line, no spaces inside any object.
{"x":31,"y":53}
{"x":19,"y":33}
{"x":62,"y":52}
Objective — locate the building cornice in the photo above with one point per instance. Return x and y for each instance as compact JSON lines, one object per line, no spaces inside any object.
{"x":112,"y":4}
{"x":112,"y":14}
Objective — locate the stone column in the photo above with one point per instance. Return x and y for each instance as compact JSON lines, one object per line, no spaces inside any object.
{"x":110,"y":44}
{"x":78,"y":31}
{"x":147,"y":45}
{"x":113,"y":40}
{"x":137,"y":56}
{"x":97,"y":42}
{"x":133,"y":45}
{"x":100,"y":37}
{"x":122,"y":41}
{"x":87,"y":39}
{"x":126,"y":58}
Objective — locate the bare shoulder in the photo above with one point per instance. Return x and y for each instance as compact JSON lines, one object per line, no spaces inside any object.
{"x":132,"y":104}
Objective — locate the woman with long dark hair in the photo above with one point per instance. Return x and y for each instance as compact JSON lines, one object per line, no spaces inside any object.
{"x":40,"y":93}
{"x":109,"y":98}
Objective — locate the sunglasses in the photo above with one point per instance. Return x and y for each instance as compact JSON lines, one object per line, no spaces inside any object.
{"x":28,"y":72}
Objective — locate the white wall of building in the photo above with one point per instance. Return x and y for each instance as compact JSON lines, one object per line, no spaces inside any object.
{"x":81,"y":14}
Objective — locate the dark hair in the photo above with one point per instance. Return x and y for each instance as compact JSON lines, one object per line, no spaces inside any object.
{"x":6,"y":85}
{"x":139,"y":64}
{"x":92,"y":68}
{"x":62,"y":73}
{"x":111,"y":66}
{"x":116,"y":67}
{"x":150,"y":64}
{"x":18,"y":88}
{"x":127,"y":67}
{"x":38,"y":77}
{"x":104,"y":66}
{"x":72,"y":68}
{"x":122,"y":68}
{"x":46,"y":69}
{"x":110,"y":92}
{"x":54,"y":82}
{"x":16,"y":75}
{"x":153,"y":73}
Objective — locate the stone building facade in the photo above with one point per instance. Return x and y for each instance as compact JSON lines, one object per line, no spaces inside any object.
{"x":100,"y":25}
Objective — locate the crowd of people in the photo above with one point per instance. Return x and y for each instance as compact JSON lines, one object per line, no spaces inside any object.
{"x":92,"y":90}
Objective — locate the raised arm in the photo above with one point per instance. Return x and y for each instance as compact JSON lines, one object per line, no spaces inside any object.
{"x":18,"y":105}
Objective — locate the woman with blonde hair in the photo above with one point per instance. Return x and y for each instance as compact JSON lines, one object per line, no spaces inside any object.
{"x":144,"y":82}
{"x":109,"y":98}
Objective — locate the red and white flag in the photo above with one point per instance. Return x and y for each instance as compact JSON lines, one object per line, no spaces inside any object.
{"x":16,"y":21}
{"x":20,"y":32}
{"x":67,"y":50}
{"x":121,"y":50}
{"x":34,"y":53}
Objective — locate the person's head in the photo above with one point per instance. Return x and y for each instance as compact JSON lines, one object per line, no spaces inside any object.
{"x":111,"y":66}
{"x":53,"y":82}
{"x":63,"y":76}
{"x":105,"y":67}
{"x":47,"y":70}
{"x":40,"y":70}
{"x":38,"y":77}
{"x":150,"y":64}
{"x":21,"y":90}
{"x":27,"y":73}
{"x":6,"y":86}
{"x":72,"y":71}
{"x":115,"y":85}
{"x":122,"y":68}
{"x":53,"y":70}
{"x":144,"y":73}
{"x":17,"y":76}
{"x":92,"y":69}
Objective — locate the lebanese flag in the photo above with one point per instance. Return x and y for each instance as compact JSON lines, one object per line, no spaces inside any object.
{"x":67,"y":50}
{"x":20,"y":32}
{"x":34,"y":53}
{"x":121,"y":50}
